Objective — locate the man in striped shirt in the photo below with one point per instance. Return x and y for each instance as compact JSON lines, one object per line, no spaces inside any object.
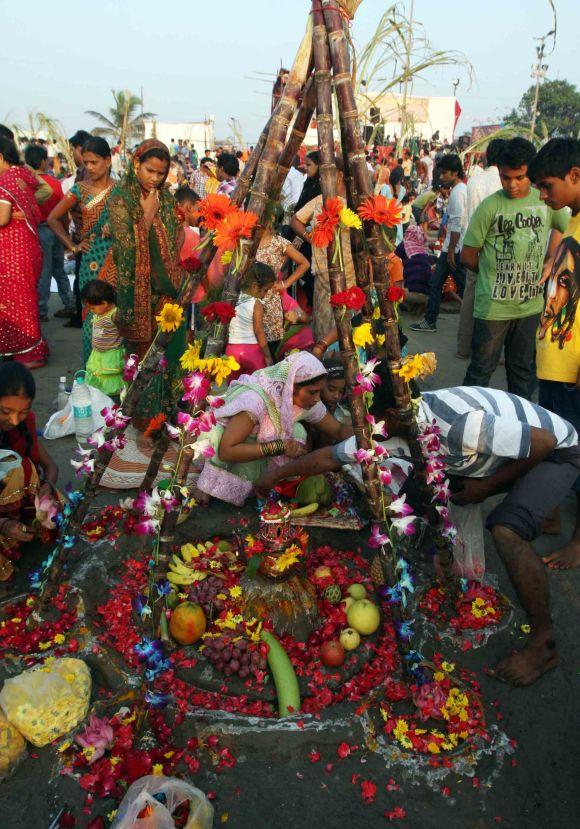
{"x":493,"y":442}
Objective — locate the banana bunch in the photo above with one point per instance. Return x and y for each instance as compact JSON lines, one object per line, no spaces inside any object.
{"x":181,"y":571}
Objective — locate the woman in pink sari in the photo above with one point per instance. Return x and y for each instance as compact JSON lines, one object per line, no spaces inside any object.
{"x":20,"y":262}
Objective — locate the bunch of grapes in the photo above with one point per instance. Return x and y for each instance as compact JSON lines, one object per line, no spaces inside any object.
{"x":204,"y":594}
{"x":241,"y":657}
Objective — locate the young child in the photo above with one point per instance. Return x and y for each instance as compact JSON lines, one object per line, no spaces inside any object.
{"x":247,"y":340}
{"x":555,"y":170}
{"x":107,"y":359}
{"x":333,"y":393}
{"x":187,"y":201}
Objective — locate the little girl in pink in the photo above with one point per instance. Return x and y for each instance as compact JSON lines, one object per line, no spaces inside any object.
{"x":247,"y":341}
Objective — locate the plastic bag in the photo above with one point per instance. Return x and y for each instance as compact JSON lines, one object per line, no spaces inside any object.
{"x":62,"y":423}
{"x":45,"y":702}
{"x":140,"y":797}
{"x":468,"y":548}
{"x":12,"y":747}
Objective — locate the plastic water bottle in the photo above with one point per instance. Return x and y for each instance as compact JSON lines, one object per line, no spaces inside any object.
{"x":62,"y":396}
{"x":81,"y":406}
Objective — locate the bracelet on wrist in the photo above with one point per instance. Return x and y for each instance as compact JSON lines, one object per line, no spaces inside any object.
{"x":270,"y":448}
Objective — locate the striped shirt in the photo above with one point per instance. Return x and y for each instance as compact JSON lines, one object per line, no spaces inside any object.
{"x":483,"y":428}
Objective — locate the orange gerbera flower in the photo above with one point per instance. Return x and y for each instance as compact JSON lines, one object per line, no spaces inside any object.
{"x":235,"y":226}
{"x":214,"y":208}
{"x":326,"y":223}
{"x":381,"y":210}
{"x":155,"y":425}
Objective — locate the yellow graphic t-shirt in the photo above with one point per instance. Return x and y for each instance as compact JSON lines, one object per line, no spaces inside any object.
{"x":558,"y":345}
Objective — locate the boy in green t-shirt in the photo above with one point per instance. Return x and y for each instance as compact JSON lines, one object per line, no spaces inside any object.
{"x":505,"y":244}
{"x":556,"y":172}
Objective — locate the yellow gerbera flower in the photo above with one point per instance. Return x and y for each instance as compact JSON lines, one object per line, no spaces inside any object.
{"x":348,"y":218}
{"x":190,"y":357}
{"x":287,"y":559}
{"x":170,"y":318}
{"x":226,"y":257}
{"x":362,"y":335}
{"x":223,"y":367}
{"x":235,"y":591}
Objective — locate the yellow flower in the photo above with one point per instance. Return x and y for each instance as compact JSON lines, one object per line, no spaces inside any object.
{"x":58,"y":639}
{"x":287,"y":559}
{"x":235,"y":591}
{"x":362,"y":335}
{"x":438,"y":676}
{"x":417,"y":365}
{"x":348,"y":218}
{"x":114,"y":761}
{"x":448,"y":667}
{"x":433,"y":748}
{"x":226,"y":257}
{"x":190,"y":357}
{"x":525,"y":629}
{"x":405,"y":741}
{"x":400,"y":729}
{"x":170,"y":318}
{"x":43,"y":646}
{"x":224,"y":367}
{"x":157,"y":768}
{"x":376,"y":312}
{"x":380,"y":339}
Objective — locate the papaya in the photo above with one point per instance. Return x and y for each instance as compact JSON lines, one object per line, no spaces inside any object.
{"x":314,"y":489}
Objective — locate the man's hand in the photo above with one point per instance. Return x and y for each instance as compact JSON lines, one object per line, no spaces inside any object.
{"x":264,"y":485}
{"x":451,"y":259}
{"x":473,"y":491}
{"x":294,"y":449}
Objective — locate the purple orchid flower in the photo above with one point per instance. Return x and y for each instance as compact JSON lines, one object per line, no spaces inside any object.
{"x":377,"y":538}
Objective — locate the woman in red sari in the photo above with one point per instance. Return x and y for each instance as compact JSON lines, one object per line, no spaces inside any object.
{"x":20,"y":262}
{"x":29,"y":500}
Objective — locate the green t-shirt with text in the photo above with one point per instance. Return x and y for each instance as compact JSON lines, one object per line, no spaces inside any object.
{"x":512,"y":235}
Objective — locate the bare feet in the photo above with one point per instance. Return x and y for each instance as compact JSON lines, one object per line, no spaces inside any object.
{"x":525,"y":667}
{"x":565,"y":558}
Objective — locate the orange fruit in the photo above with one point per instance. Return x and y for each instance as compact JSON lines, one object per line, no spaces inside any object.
{"x":187,"y":623}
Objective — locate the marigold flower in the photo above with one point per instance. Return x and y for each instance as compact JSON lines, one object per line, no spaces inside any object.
{"x":380,"y":210}
{"x":170,"y":318}
{"x":235,"y":226}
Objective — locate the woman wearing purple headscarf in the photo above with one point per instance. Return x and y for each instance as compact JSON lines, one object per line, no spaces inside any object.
{"x":260,"y":425}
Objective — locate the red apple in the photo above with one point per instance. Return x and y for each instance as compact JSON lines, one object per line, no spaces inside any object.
{"x":332,"y":654}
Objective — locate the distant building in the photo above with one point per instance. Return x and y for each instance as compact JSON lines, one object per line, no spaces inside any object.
{"x":199,"y":133}
{"x":483,"y":130}
{"x":427,"y":117}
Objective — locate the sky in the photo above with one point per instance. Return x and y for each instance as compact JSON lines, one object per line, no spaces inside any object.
{"x":193,"y":59}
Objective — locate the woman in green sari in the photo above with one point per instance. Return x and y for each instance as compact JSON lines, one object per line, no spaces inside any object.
{"x":144,"y":265}
{"x":91,"y":196}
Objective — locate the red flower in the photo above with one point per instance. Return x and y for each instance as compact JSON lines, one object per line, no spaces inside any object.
{"x":381,"y":210}
{"x":155,"y":424}
{"x":218,"y":312}
{"x":343,"y":750}
{"x":353,"y":299}
{"x":191,"y":264}
{"x":369,"y":791}
{"x":395,"y":293}
{"x":326,"y":223}
{"x":398,"y":813}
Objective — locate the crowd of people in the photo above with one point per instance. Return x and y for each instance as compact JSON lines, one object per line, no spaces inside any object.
{"x":502,"y":243}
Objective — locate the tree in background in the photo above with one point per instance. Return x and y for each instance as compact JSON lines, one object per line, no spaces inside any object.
{"x":124,"y":123}
{"x":558,"y":105}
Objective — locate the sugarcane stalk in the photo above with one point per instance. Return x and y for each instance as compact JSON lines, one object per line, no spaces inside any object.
{"x":299,"y":130}
{"x":348,"y":355}
{"x":265,"y":177}
{"x":378,"y":251}
{"x":246,"y":177}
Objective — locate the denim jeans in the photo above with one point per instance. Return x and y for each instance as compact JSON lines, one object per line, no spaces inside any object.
{"x":52,"y":266}
{"x":563,"y":399}
{"x":465,"y":330}
{"x":519,"y":338}
{"x":440,"y":274}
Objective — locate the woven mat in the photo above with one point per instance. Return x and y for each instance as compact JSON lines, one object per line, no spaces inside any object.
{"x":129,"y":465}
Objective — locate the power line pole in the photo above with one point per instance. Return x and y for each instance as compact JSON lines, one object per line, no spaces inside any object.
{"x":539,"y":73}
{"x":408,"y":48}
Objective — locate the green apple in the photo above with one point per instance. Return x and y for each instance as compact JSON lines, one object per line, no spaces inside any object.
{"x":347,"y":602}
{"x":363,"y":616}
{"x":350,"y":639}
{"x":357,"y":591}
